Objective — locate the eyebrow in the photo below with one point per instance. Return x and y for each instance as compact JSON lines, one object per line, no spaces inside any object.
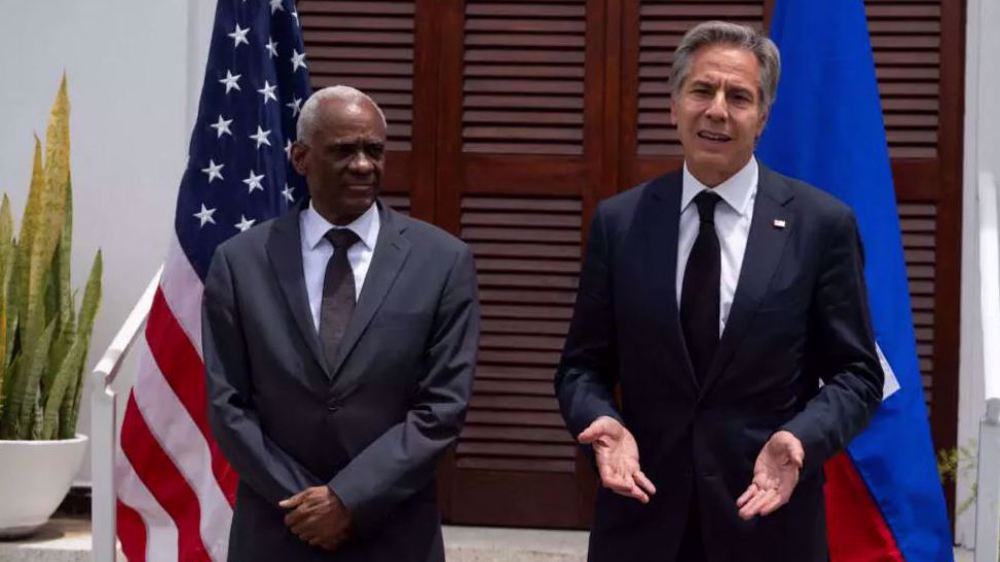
{"x":715,"y":84}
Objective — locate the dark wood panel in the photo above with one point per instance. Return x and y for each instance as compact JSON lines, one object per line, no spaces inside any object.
{"x":387,"y":41}
{"x":490,"y":35}
{"x":918,"y":223}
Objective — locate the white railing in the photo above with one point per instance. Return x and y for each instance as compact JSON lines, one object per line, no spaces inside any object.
{"x":988,"y":465}
{"x":104,"y":427}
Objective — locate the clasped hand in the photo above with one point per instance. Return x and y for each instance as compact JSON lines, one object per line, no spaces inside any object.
{"x":318,"y":517}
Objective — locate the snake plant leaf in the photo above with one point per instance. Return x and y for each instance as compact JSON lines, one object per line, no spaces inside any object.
{"x":63,"y":387}
{"x":7,"y":421}
{"x":9,"y":293}
{"x":19,"y":414}
{"x":88,"y":312}
{"x":6,"y":235}
{"x":29,"y":226}
{"x":6,"y":248}
{"x":3,"y":339}
{"x":61,"y":295}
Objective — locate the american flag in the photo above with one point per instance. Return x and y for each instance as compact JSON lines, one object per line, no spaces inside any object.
{"x":175,"y":490}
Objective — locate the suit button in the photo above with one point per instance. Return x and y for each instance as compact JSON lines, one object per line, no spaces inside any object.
{"x":332,"y":408}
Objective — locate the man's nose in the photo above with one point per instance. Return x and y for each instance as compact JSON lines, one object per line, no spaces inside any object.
{"x":361,"y":164}
{"x":718,"y":109}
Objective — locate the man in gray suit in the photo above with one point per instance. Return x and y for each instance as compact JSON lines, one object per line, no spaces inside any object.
{"x":340,"y":343}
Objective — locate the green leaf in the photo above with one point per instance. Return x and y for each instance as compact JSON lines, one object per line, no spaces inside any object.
{"x":62,"y":295}
{"x":63,"y":387}
{"x":19,"y":413}
{"x":88,"y":312}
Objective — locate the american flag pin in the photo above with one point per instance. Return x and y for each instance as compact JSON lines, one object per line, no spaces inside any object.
{"x":778,"y":223}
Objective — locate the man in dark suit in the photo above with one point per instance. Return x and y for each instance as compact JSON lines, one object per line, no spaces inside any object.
{"x":340,"y":342}
{"x":716,"y":300}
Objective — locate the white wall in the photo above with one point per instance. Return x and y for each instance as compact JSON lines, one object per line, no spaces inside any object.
{"x":982,"y":154}
{"x":134,"y":69}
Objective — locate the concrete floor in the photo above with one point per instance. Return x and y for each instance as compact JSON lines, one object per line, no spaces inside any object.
{"x":68,"y":540}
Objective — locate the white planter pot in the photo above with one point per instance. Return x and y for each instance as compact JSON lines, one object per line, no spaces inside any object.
{"x":34,"y":478}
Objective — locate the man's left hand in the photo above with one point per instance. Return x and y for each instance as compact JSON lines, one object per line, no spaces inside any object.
{"x":775,"y":475}
{"x":318,"y":517}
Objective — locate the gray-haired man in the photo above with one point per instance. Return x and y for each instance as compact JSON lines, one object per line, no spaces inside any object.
{"x":340,"y":342}
{"x":717,"y":298}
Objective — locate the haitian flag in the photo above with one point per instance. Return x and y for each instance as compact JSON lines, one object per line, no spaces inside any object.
{"x":884,"y":498}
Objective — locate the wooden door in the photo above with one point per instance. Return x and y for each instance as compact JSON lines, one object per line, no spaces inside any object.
{"x":519,"y":166}
{"x":510,"y":119}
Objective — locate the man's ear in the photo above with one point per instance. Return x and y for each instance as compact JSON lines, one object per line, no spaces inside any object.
{"x":299,"y":160}
{"x":762,"y":124}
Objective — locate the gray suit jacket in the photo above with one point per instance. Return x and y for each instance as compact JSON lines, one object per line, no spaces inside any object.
{"x":372,"y":425}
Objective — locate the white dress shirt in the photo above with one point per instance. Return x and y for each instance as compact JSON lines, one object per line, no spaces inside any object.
{"x":317,"y":251}
{"x":732,"y":224}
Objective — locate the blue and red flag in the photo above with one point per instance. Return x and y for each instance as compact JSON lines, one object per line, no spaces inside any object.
{"x":884,"y":498}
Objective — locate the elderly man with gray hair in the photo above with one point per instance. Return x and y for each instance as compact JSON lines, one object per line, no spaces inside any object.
{"x":720,"y":349}
{"x":340,"y":342}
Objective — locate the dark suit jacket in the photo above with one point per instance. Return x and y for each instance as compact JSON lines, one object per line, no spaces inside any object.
{"x":799,"y":316}
{"x":372,"y":425}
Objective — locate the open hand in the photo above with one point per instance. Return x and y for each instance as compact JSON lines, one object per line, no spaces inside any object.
{"x":617,"y":458}
{"x":775,"y":475}
{"x":318,"y":517}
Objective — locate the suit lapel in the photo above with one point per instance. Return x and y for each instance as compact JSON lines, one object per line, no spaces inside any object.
{"x":391,"y":251}
{"x":284,"y":249}
{"x":765,"y":246}
{"x":657,"y":223}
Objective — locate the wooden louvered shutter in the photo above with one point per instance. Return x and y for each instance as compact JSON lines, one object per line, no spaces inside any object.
{"x":918,"y":58}
{"x":652,"y":30}
{"x":381,"y":48}
{"x":519,"y":167}
{"x":917,"y":44}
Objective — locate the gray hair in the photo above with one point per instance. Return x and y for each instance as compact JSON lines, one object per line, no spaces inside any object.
{"x":306,"y":126}
{"x":740,"y":36}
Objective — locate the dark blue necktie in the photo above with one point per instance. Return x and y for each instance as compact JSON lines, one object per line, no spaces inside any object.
{"x":700,"y":289}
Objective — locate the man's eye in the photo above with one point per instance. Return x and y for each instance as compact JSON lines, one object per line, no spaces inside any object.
{"x":344,"y":150}
{"x":375,"y":150}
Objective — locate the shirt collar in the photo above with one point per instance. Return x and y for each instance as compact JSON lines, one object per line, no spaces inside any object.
{"x":737,"y":191}
{"x":314,"y":226}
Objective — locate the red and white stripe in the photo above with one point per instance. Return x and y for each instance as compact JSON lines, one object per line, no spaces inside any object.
{"x":175,"y":489}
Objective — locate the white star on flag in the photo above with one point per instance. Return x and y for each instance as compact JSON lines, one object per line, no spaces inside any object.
{"x":231,"y":81}
{"x":239,"y":36}
{"x":296,"y":16}
{"x":295,"y":105}
{"x":287,"y":192}
{"x":272,"y":47}
{"x":205,"y":215}
{"x":222,"y":126}
{"x":288,"y":149}
{"x":244,"y":223}
{"x":298,"y":60}
{"x":261,"y":137}
{"x":275,"y":6}
{"x":268,"y":92}
{"x":253,"y":182}
{"x":213,"y":170}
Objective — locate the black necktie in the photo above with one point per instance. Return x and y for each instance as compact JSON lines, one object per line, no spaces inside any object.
{"x":700,"y":291}
{"x":338,"y":293}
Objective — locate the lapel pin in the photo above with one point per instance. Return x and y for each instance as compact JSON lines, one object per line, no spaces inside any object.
{"x":779,"y":224}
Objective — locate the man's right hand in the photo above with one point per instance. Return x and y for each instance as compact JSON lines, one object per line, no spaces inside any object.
{"x":617,"y":458}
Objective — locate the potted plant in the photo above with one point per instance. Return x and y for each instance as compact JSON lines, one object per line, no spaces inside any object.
{"x":43,"y":340}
